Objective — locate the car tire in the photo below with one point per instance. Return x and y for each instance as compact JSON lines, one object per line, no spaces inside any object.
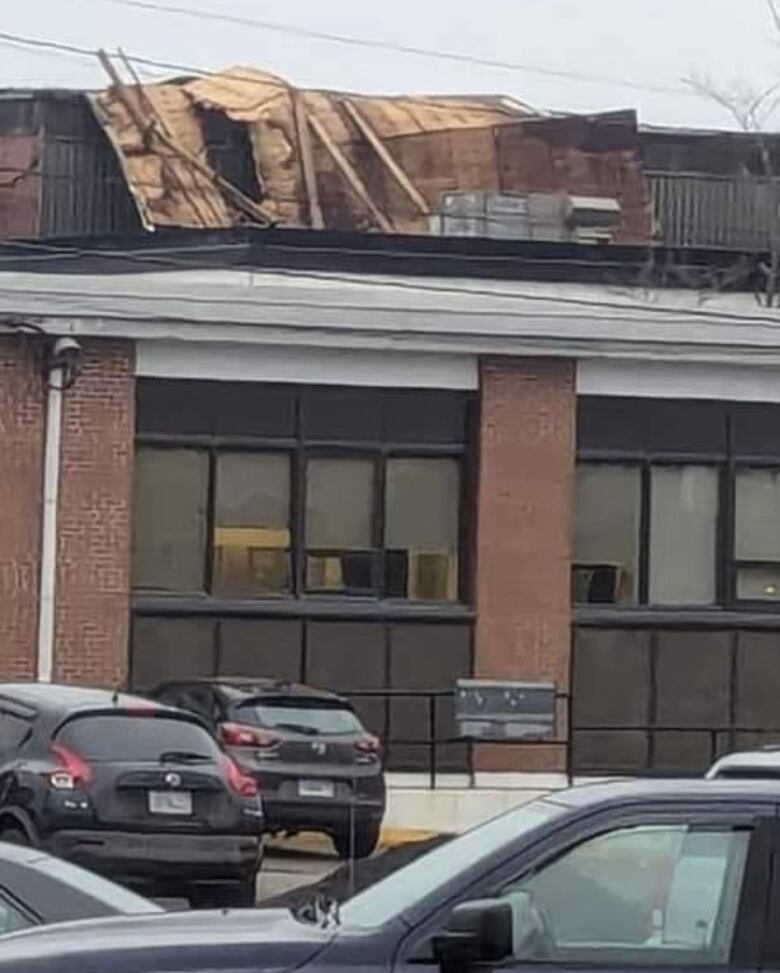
{"x":225,"y":895}
{"x":365,"y":842}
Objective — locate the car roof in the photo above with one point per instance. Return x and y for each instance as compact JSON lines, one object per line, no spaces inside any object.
{"x":676,"y":789}
{"x":246,"y":687}
{"x":22,"y":854}
{"x":61,"y":698}
{"x":749,"y":763}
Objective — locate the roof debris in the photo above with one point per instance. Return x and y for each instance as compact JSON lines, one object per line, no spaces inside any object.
{"x":244,"y":146}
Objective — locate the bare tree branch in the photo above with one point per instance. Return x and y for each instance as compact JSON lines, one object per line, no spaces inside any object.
{"x":774,"y":12}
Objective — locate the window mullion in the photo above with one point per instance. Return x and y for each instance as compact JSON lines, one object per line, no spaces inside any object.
{"x":645,"y":514}
{"x":211,"y":499}
{"x":380,"y":561}
{"x":298,"y":519}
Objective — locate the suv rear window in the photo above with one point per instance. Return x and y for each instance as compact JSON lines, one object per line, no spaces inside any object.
{"x":122,"y":739}
{"x":316,"y":718}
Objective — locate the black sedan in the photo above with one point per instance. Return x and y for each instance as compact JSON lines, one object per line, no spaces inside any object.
{"x":36,"y":889}
{"x":650,"y":877}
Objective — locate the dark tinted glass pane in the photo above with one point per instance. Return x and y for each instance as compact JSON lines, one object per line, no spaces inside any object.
{"x":421,"y":528}
{"x":169,"y":520}
{"x":171,"y":406}
{"x":342,"y":413}
{"x":171,"y":648}
{"x":123,"y":739}
{"x":756,"y":429}
{"x":251,"y":524}
{"x":260,"y":647}
{"x":643,"y":426}
{"x":606,"y":540}
{"x":224,"y":408}
{"x":246,"y":409}
{"x":425,"y":417}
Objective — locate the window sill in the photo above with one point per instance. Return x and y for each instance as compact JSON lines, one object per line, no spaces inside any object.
{"x":750,"y":616}
{"x":312,"y":606}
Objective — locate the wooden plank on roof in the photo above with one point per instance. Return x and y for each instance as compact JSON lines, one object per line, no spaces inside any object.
{"x":395,"y":169}
{"x":148,"y":128}
{"x":350,"y":173}
{"x":316,"y":220}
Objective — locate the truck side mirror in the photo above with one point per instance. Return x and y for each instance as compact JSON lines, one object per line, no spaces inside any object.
{"x":480,"y":931}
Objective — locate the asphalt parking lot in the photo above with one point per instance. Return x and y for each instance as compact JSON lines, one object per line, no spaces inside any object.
{"x":289,"y":865}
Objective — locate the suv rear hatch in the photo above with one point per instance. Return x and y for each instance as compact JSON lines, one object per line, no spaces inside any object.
{"x":315,"y":736}
{"x":150,"y":771}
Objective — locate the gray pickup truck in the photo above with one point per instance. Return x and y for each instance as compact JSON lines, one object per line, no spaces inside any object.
{"x":660,"y":875}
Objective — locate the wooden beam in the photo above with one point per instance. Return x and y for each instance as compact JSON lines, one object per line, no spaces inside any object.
{"x":157,"y":119}
{"x":350,"y":173}
{"x":316,"y":220}
{"x":394,"y":168}
{"x":240,"y":200}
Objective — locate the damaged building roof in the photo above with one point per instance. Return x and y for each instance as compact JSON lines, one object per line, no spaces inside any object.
{"x":245,"y":146}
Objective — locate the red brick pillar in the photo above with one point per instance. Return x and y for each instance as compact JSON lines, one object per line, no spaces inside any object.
{"x":93,"y":570}
{"x":527,"y":461}
{"x":21,"y":451}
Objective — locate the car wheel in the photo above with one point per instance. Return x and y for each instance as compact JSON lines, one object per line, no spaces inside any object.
{"x":225,"y":895}
{"x":365,"y":841}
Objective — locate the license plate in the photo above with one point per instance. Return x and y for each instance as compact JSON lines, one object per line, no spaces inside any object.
{"x":170,"y":802}
{"x":316,"y":788}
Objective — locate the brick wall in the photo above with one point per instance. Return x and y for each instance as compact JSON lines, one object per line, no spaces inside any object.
{"x":21,"y":439}
{"x":527,"y":462}
{"x":94,"y":518}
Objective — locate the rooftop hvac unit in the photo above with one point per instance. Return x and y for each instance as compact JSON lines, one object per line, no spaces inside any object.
{"x":527,"y":216}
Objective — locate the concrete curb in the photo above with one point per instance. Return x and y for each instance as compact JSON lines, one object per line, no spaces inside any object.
{"x":311,"y":843}
{"x":393,"y":837}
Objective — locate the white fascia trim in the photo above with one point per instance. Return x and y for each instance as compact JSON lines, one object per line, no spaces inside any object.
{"x":461,"y":317}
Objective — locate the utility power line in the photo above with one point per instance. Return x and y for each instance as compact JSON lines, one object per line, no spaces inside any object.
{"x":372,"y":43}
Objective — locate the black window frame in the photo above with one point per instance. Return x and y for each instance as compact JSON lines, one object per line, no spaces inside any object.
{"x":300,"y":447}
{"x":727,"y":436}
{"x":722,"y":581}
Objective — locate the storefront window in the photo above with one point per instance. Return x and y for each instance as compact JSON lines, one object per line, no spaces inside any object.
{"x":169,"y":522}
{"x":646,"y":534}
{"x":683,"y":522}
{"x":757,"y":534}
{"x":421,"y":528}
{"x":606,"y":543}
{"x":252,"y":524}
{"x":339,"y":535}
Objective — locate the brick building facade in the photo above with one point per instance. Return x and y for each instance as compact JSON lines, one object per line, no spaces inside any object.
{"x":389,"y":483}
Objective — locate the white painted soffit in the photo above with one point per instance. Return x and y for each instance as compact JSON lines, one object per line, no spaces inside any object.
{"x":318,"y":366}
{"x":404,"y":314}
{"x":679,"y":380}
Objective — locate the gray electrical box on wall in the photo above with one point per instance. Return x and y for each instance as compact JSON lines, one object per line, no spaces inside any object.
{"x":497,"y":710}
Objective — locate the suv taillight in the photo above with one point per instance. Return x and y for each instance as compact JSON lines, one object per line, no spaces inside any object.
{"x":239,"y":735}
{"x":73,"y":771}
{"x":239,"y":783}
{"x":368,"y":744}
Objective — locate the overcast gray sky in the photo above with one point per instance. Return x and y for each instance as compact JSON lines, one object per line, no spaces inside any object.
{"x":646,"y":42}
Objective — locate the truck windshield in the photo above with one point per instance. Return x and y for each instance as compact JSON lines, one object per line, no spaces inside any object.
{"x":389,"y":898}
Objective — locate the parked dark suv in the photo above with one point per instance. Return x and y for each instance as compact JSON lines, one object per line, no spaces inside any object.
{"x":129,"y":788}
{"x":318,"y":768}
